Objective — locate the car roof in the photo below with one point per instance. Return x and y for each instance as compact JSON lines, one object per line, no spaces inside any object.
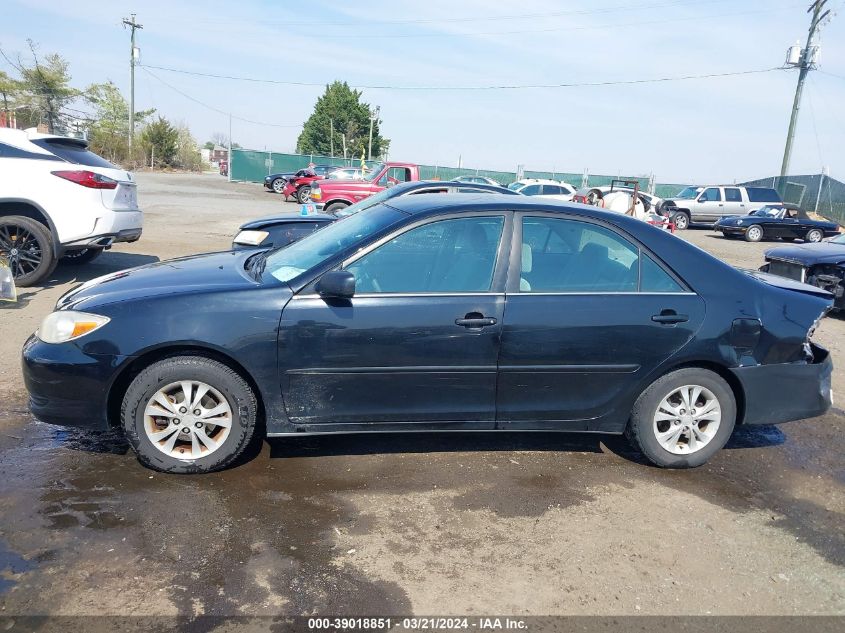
{"x":481,"y":186}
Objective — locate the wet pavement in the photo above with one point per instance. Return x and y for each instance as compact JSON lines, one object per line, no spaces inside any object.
{"x":522,"y":523}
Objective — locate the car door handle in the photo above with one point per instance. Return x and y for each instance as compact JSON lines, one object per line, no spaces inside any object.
{"x":477,"y":322}
{"x":669,"y":317}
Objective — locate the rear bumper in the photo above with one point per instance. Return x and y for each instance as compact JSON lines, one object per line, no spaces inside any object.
{"x":66,"y":386}
{"x":786,"y":392}
{"x":105,"y":240}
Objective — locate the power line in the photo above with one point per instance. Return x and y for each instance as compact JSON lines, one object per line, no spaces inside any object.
{"x":489,"y":87}
{"x":824,"y":72}
{"x":210,"y":107}
{"x":519,"y":16}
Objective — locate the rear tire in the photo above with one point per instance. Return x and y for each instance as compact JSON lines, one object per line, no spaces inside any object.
{"x":814,"y":236}
{"x":28,"y":245}
{"x":681,"y":221}
{"x":334,"y":207}
{"x":156,"y":397}
{"x":76,"y":258}
{"x":699,"y":433}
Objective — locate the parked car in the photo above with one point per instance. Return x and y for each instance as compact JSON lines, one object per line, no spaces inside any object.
{"x":59,"y":200}
{"x":772,"y":221}
{"x":821,"y":264}
{"x":551,"y":189}
{"x":276,"y":182}
{"x":435,"y":312}
{"x":479,"y":180}
{"x":712,"y":203}
{"x":275,"y":231}
{"x":280,"y":230}
{"x":299,"y":187}
{"x":333,"y":195}
{"x":346,"y":173}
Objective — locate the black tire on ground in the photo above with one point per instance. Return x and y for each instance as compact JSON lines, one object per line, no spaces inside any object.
{"x":278,"y":184}
{"x":753,"y":234}
{"x":681,"y":220}
{"x":29,"y":247}
{"x":334,"y":207}
{"x":814,"y":235}
{"x":81,"y":256}
{"x":642,"y":429}
{"x":225,"y":380}
{"x":303,"y":194}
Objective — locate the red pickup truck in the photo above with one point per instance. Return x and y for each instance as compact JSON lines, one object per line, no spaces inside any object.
{"x":331,"y":195}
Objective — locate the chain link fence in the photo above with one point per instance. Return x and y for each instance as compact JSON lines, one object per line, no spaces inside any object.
{"x":818,"y":193}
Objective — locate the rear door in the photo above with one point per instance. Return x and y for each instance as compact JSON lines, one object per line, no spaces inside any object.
{"x":734,"y":203}
{"x":589,"y":313}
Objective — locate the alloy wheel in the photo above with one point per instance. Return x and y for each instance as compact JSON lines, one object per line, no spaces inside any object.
{"x":188,"y":419}
{"x":814,"y":236}
{"x":278,"y":185}
{"x":22,"y":249}
{"x":687,"y":419}
{"x":755,"y":234}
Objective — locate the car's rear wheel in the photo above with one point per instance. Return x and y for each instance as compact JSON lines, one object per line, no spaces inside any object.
{"x":28,"y":246}
{"x":82,"y":256}
{"x":303,"y":194}
{"x":278,"y":185}
{"x":681,"y":221}
{"x":334,"y":207}
{"x":189,"y":414}
{"x":683,"y":418}
{"x":754,"y":234}
{"x":813,"y":235}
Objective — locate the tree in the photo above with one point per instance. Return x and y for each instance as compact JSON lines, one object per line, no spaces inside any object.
{"x":45,"y":90}
{"x":10,"y":90}
{"x":340,"y":107}
{"x":208,"y":145}
{"x":161,"y":142}
{"x":187,"y":154}
{"x":109,"y":131}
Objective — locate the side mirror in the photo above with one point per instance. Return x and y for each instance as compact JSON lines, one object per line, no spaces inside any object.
{"x":389,"y":184}
{"x":338,"y":284}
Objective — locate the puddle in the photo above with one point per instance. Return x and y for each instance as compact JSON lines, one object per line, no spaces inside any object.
{"x":11,"y":564}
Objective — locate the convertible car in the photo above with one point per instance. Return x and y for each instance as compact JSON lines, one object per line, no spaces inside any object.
{"x":435,"y":312}
{"x":771,"y":221}
{"x":822,"y":265}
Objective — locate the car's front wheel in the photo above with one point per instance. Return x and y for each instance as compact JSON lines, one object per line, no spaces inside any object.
{"x":82,"y":256}
{"x":334,"y":207}
{"x":278,"y":185}
{"x":754,"y":234}
{"x":683,"y":418}
{"x":28,"y":246}
{"x":813,"y":235}
{"x":189,"y":414}
{"x":303,"y":194}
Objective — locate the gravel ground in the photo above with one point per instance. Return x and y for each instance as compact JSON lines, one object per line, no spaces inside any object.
{"x":514,"y":523}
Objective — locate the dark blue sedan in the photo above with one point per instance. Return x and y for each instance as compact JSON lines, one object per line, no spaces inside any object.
{"x":435,"y":312}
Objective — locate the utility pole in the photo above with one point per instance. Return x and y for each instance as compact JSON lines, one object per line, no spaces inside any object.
{"x":373,"y":117}
{"x":130,"y":22}
{"x":331,"y":137}
{"x":805,"y":63}
{"x":229,"y":157}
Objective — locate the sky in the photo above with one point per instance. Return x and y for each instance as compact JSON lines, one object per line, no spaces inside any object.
{"x":721,"y":129}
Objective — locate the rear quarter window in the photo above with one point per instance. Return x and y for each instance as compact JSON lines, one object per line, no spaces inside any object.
{"x":73,"y":153}
{"x":762,"y":194}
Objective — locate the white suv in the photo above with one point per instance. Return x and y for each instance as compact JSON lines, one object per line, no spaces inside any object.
{"x":60,"y":200}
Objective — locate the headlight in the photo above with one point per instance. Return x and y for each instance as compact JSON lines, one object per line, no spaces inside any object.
{"x":252,"y":238}
{"x":67,"y":325}
{"x":316,"y":194}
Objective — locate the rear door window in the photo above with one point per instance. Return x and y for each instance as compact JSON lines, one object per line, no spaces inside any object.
{"x":73,"y":152}
{"x":762,"y":194}
{"x":732,"y":195}
{"x":10,"y":151}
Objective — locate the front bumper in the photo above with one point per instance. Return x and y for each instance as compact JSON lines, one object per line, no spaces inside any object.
{"x":789,"y":391}
{"x":67,"y":386}
{"x":731,"y":230}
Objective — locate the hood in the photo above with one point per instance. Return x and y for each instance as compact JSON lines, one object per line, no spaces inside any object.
{"x":344,"y":185}
{"x":188,"y":275}
{"x":809,"y":254}
{"x":270,"y":220}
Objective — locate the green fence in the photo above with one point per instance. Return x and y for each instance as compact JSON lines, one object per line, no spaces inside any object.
{"x":818,"y":193}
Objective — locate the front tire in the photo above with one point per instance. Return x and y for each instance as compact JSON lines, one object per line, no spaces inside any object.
{"x":813,"y":236}
{"x":303,"y":194}
{"x":754,"y":234}
{"x":683,"y":418}
{"x":83,"y":256}
{"x":189,"y":414}
{"x":278,"y":185}
{"x":334,"y":207}
{"x":28,"y":246}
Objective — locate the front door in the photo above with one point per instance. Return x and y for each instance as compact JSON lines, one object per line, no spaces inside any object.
{"x":417,"y":344}
{"x":710,"y":206}
{"x":589,"y":315}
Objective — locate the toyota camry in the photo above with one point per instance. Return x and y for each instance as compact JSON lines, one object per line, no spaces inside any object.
{"x":435,"y":313}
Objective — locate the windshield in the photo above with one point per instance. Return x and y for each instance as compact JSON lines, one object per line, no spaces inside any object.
{"x":373,"y":172}
{"x":515,"y":185}
{"x":366,"y":203}
{"x":839,"y":239}
{"x":294,"y":259}
{"x":688,"y":193}
{"x":768,"y":212}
